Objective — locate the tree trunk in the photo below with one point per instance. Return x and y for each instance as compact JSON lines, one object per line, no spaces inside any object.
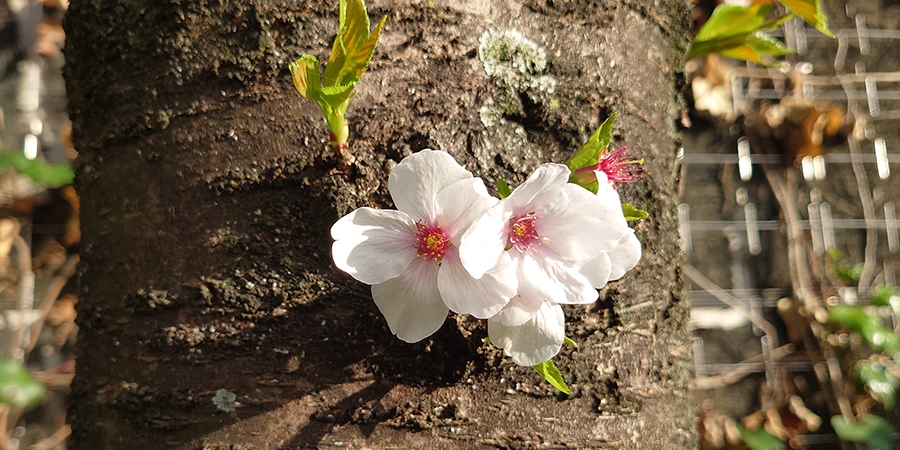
{"x":208,"y":192}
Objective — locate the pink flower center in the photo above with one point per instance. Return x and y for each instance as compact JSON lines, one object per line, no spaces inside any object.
{"x":431,"y":242}
{"x":523,"y":233}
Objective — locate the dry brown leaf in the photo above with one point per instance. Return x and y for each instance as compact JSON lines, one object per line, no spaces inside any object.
{"x":8,"y":229}
{"x":812,"y":421}
{"x":73,"y":225}
{"x":775,"y":426}
{"x":754,"y":420}
{"x":49,"y":257}
{"x":61,"y":320}
{"x":58,"y":4}
{"x":50,"y":38}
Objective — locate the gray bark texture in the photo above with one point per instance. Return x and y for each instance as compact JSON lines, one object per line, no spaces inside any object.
{"x":208,"y":192}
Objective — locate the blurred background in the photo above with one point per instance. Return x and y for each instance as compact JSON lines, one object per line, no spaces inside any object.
{"x":788,"y":217}
{"x":39,"y":230}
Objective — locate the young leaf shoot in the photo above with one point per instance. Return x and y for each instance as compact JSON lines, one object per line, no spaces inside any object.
{"x":350,"y":56}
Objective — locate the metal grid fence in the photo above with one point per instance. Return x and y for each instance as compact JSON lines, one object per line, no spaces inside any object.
{"x":789,"y":214}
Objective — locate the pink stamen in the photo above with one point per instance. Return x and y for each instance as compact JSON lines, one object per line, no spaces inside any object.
{"x":431,"y":242}
{"x":523,"y":233}
{"x":619,"y":166}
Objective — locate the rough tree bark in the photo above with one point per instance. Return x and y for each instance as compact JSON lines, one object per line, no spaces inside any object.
{"x":207,"y":195}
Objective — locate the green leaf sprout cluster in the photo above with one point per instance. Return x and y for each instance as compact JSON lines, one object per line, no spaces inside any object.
{"x":17,"y":387}
{"x":879,"y":374}
{"x":49,"y":174}
{"x":740,"y":32}
{"x":350,"y":56}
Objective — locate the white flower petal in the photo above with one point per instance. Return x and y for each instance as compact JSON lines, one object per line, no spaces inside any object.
{"x":460,"y":204}
{"x":519,"y":310}
{"x":483,"y":244}
{"x":411,"y":303}
{"x":625,"y":256}
{"x":547,"y":277}
{"x":523,"y":305}
{"x":535,"y":341}
{"x":417,"y":179}
{"x":539,"y":189}
{"x":597,"y":270}
{"x":578,"y":225}
{"x":605,"y":189}
{"x":482,"y":297}
{"x":373,"y":245}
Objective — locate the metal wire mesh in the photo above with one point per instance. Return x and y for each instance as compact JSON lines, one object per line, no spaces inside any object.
{"x":746,"y":224}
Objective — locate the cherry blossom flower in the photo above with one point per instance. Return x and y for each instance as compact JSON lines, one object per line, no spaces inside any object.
{"x":619,"y":166}
{"x":550,"y":229}
{"x":612,"y":265}
{"x":410,"y":256}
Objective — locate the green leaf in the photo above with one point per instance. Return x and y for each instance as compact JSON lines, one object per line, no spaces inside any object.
{"x":351,"y":54}
{"x":568,"y":341}
{"x":17,"y":387}
{"x":735,"y":32}
{"x":52,"y":175}
{"x":338,"y":49}
{"x":353,"y":46}
{"x":883,"y":337}
{"x":354,"y":23}
{"x":632,"y":213}
{"x":849,"y":274}
{"x":589,"y":153}
{"x":338,"y":97}
{"x":853,"y":317}
{"x":503,"y":189}
{"x":755,"y":47}
{"x":811,"y":11}
{"x":771,"y":24}
{"x":873,"y":430}
{"x":592,"y":186}
{"x":760,"y":439}
{"x":550,"y":373}
{"x":305,"y":73}
{"x":885,"y":295}
{"x":358,"y":58}
{"x":333,"y":101}
{"x":729,"y":20}
{"x":880,"y":382}
{"x":856,"y":319}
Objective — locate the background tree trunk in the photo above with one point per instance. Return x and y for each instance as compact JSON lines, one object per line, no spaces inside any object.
{"x":208,"y":193}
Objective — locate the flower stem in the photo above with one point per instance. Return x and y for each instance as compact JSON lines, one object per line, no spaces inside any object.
{"x":339,"y":132}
